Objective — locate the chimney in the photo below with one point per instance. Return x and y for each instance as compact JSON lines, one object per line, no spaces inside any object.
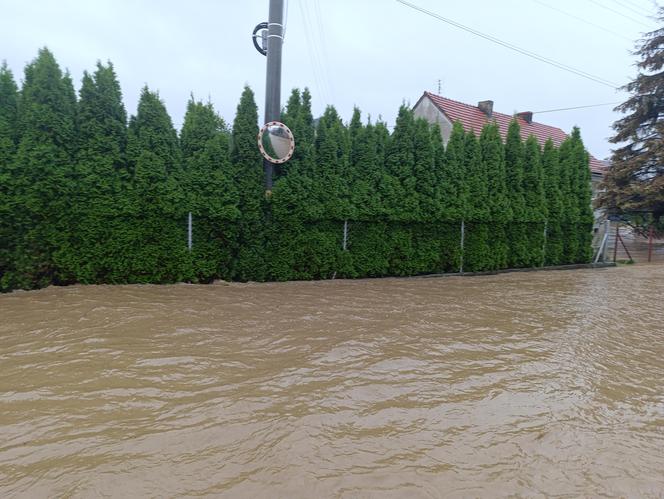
{"x":526,"y":116}
{"x":486,"y":106}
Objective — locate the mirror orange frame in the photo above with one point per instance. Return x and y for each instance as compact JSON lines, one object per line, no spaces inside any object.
{"x":289,"y":134}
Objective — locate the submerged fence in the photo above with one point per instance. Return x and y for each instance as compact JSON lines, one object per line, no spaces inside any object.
{"x":293,"y":250}
{"x":195,"y":248}
{"x":623,"y":243}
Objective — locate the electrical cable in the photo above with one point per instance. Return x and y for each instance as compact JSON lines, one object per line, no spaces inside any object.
{"x":310,"y":50}
{"x":315,"y":51}
{"x":577,"y":107}
{"x":634,"y":4}
{"x":322,"y":50}
{"x":318,"y":58}
{"x":585,"y":21}
{"x":643,"y":12}
{"x":620,"y":14}
{"x":321,"y":33}
{"x":513,"y":47}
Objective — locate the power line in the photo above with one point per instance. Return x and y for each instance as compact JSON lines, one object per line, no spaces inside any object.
{"x":643,"y":12}
{"x":634,"y":4}
{"x":317,"y":51}
{"x":323,"y":46}
{"x":620,"y":14}
{"x":576,"y":107}
{"x":513,"y":47}
{"x":312,"y":53}
{"x":585,"y":21}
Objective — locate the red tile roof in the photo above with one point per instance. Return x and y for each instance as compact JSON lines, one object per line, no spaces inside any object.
{"x":472,"y":118}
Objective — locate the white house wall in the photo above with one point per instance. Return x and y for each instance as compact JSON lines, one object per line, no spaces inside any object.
{"x":427,"y":110}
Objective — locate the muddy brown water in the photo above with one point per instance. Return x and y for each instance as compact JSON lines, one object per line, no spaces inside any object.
{"x":533,"y":384}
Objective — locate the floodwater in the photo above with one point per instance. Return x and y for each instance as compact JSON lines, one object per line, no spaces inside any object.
{"x":528,"y":384}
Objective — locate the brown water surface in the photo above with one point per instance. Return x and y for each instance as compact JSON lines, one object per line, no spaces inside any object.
{"x":534,"y":384}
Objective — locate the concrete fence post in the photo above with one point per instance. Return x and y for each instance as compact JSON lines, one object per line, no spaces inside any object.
{"x":345,"y":243}
{"x":189,"y":232}
{"x":546,"y":227}
{"x":463,"y":236}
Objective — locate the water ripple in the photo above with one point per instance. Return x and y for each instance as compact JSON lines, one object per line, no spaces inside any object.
{"x":539,"y":384}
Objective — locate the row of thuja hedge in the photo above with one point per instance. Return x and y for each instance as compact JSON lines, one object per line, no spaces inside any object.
{"x":87,"y":197}
{"x":320,"y":250}
{"x":377,"y":249}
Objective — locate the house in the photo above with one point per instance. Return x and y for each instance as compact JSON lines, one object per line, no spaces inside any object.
{"x":437,"y":109}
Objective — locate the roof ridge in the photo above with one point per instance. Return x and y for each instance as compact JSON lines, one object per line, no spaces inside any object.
{"x":537,"y":129}
{"x":447,"y":98}
{"x":495,"y":112}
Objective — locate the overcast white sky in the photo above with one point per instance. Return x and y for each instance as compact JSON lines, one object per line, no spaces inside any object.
{"x":371,"y":53}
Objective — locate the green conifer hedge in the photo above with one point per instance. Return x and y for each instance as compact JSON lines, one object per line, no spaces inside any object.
{"x":88,"y":196}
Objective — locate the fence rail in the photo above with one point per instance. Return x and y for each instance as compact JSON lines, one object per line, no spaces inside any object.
{"x":624,"y":244}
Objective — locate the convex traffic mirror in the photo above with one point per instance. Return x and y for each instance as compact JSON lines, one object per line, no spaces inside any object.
{"x":276,"y":142}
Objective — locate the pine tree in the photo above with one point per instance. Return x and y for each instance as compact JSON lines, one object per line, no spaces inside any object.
{"x":399,"y":191}
{"x":451,"y":195}
{"x":553,"y":254}
{"x":477,"y":255}
{"x":583,"y":195}
{"x":453,"y":180}
{"x":424,"y":171}
{"x":332,"y":167}
{"x":438,"y":171}
{"x":635,"y":181}
{"x":311,"y":201}
{"x":569,"y":194}
{"x":443,"y":233}
{"x":291,"y":201}
{"x":355,"y":128}
{"x":247,"y":164}
{"x":211,"y":196}
{"x":298,"y":118}
{"x":492,"y":153}
{"x":306,"y":126}
{"x":42,"y":175}
{"x":322,"y":255}
{"x":71,"y":106}
{"x":362,"y":182}
{"x":401,"y":196}
{"x":291,"y":117}
{"x":294,"y":118}
{"x":517,"y":231}
{"x":535,"y":202}
{"x":99,"y":219}
{"x":428,"y":236}
{"x":160,"y":243}
{"x":8,"y":142}
{"x":362,"y":166}
{"x":369,"y":240}
{"x":365,"y":168}
{"x":292,"y":197}
{"x":8,"y":116}
{"x":387,"y":185}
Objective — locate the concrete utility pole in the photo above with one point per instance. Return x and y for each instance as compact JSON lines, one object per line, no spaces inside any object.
{"x":275,"y":39}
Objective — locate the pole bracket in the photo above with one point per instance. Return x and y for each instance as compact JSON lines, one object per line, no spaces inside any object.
{"x":262,"y":27}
